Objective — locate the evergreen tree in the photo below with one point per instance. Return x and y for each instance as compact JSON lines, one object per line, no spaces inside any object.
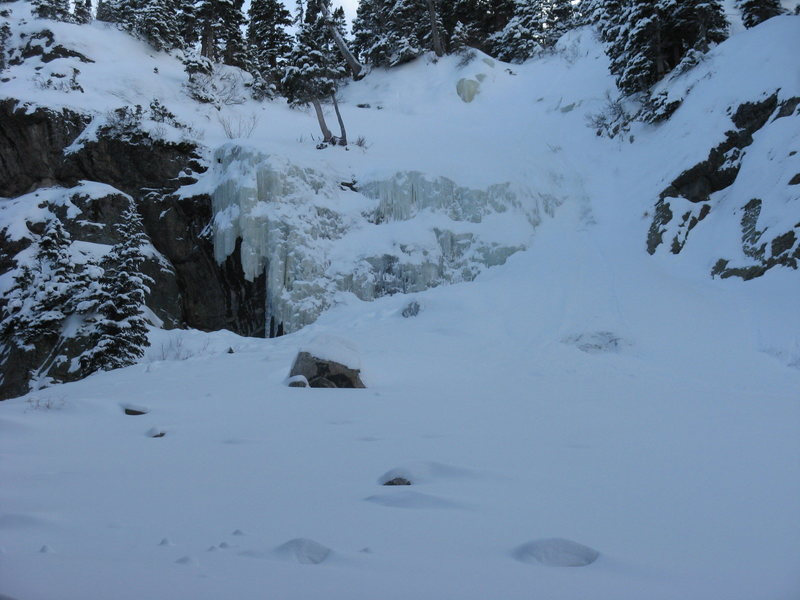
{"x":43,"y":292}
{"x":118,"y":324}
{"x":648,"y":38}
{"x":5,"y":35}
{"x":83,"y":11}
{"x":158,"y":23}
{"x":607,"y":16}
{"x":460,"y":38}
{"x":105,"y":11}
{"x":523,"y":35}
{"x":758,"y":11}
{"x":558,"y":18}
{"x":268,"y":38}
{"x":57,"y":10}
{"x":313,"y":68}
{"x":219,"y":23}
{"x":371,"y":32}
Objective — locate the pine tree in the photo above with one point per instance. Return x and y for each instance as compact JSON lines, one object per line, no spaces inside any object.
{"x":637,"y":52}
{"x":219,"y":23}
{"x":118,"y":325}
{"x":83,"y":12}
{"x":755,"y":12}
{"x":158,"y":23}
{"x":57,"y":10}
{"x":523,"y":35}
{"x":460,"y":38}
{"x":557,"y":19}
{"x":43,"y":292}
{"x":313,"y":69}
{"x":607,"y":16}
{"x":268,"y":38}
{"x":371,"y":33}
{"x":5,"y":35}
{"x":697,"y":24}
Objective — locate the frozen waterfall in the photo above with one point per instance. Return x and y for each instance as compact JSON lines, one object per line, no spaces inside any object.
{"x":314,"y":237}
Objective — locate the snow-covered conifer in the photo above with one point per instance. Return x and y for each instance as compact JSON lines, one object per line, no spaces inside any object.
{"x":118,"y":325}
{"x":269,"y":41}
{"x":314,"y":67}
{"x":523,"y":34}
{"x":158,"y":23}
{"x":83,"y":11}
{"x":371,"y":32}
{"x":758,"y":11}
{"x":57,"y":10}
{"x":558,"y":18}
{"x":220,"y":23}
{"x":43,"y":292}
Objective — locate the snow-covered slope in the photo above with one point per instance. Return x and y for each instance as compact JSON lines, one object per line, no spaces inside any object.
{"x":582,"y":390}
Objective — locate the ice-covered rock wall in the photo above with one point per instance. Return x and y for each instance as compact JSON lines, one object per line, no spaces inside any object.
{"x":314,"y":236}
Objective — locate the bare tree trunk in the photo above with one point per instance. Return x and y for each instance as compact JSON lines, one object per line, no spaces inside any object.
{"x":437,"y":41}
{"x":343,"y":136}
{"x":327,"y":136}
{"x":355,"y":67}
{"x":207,"y":42}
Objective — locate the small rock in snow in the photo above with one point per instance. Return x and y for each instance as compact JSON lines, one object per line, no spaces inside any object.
{"x":165,"y":542}
{"x":45,"y":549}
{"x":224,"y":545}
{"x":238,"y":532}
{"x":411,"y":310}
{"x":398,"y":481}
{"x":185,"y":560}
{"x":135,"y":411}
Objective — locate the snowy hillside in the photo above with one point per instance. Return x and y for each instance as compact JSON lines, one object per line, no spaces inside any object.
{"x":585,"y":401}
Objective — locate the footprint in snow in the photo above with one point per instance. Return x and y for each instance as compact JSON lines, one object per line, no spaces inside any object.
{"x":186,"y":560}
{"x":556,"y":552}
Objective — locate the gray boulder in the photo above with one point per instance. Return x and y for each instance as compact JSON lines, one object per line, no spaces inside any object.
{"x":325,"y":373}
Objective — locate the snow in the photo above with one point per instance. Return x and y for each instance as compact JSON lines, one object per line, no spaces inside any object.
{"x":579,"y":402}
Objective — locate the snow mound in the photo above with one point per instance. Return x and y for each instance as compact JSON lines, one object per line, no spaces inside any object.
{"x":304,"y":551}
{"x":335,"y":349}
{"x":556,"y":552}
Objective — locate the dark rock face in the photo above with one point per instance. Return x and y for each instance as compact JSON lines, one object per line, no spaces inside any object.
{"x":322,"y":373}
{"x":190,"y":290}
{"x":719,"y":171}
{"x":32,"y":146}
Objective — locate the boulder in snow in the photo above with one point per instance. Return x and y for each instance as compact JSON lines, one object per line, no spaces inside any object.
{"x":328,"y":362}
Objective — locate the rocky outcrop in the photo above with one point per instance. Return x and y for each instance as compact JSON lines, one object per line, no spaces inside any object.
{"x":325,"y":373}
{"x":32,"y":143}
{"x":42,"y":149}
{"x":38,"y":148}
{"x":699,"y":190}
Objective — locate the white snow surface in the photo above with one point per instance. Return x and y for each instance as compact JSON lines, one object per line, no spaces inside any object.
{"x":581,"y":398}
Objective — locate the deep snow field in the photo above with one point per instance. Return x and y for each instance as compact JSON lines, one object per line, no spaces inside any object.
{"x":584,"y":390}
